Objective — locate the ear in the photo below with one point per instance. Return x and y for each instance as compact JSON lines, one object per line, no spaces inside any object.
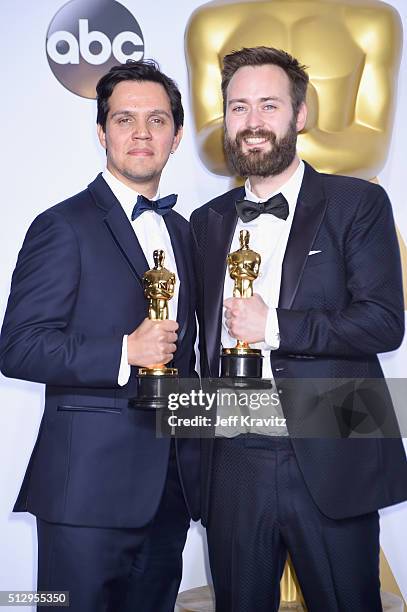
{"x":101,"y":135}
{"x":301,"y":117}
{"x":177,"y":139}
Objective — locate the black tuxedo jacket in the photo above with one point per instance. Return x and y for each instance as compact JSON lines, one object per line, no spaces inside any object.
{"x":76,"y":290}
{"x":337,"y":309}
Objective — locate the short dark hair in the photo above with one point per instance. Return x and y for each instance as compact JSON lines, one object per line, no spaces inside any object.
{"x":143,"y":70}
{"x":259,"y":56}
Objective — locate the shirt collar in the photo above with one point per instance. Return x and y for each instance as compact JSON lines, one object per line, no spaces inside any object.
{"x":126,"y":195}
{"x":290,"y":189}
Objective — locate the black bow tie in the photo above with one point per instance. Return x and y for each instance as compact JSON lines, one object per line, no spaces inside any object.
{"x":160,"y":206}
{"x":276,"y":205}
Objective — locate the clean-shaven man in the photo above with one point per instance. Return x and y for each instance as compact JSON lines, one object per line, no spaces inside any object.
{"x":113,"y":502}
{"x":327,"y":300}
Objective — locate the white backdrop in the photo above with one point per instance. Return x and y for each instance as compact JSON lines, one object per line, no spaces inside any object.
{"x":49,"y":152}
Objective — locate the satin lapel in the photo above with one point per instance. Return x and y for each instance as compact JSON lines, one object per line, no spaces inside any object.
{"x":178,"y":246}
{"x":221,"y":228}
{"x":125,"y":238}
{"x":119,"y":226}
{"x":309,"y":212}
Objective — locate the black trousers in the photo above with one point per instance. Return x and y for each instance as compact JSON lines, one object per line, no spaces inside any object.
{"x":260,"y":508}
{"x":118,"y":570}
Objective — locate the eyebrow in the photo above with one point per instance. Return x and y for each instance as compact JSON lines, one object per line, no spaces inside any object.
{"x":246,"y":101}
{"x":155,"y":111}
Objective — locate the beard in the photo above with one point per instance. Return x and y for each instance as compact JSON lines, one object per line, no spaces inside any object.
{"x":259,"y":163}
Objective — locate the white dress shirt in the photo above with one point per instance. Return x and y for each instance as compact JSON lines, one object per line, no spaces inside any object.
{"x":152,"y":234}
{"x":268,"y":237}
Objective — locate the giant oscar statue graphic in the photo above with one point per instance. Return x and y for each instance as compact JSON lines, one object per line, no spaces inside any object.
{"x":157,"y":381}
{"x":352,"y":50}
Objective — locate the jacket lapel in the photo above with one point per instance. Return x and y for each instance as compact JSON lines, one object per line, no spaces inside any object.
{"x":126,"y":240}
{"x":178,"y":246}
{"x":309,"y":212}
{"x":119,"y":227}
{"x":221,"y":228}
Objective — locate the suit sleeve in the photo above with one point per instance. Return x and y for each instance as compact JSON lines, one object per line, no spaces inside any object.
{"x":37,"y":343}
{"x":373,"y":320}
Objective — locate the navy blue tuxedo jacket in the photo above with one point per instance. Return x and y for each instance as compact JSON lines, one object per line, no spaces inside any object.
{"x":76,"y":290}
{"x":337,"y":309}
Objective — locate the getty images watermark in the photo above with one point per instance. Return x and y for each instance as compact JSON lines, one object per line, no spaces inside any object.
{"x":301,"y":408}
{"x":226,"y":411}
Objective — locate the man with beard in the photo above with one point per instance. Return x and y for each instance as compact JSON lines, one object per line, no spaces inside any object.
{"x":327,"y":300}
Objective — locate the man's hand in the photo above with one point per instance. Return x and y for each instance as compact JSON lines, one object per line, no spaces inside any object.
{"x":246,"y":318}
{"x":152,"y":343}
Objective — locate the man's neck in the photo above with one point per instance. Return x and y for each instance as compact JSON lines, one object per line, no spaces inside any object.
{"x":148,"y":188}
{"x":262,"y":187}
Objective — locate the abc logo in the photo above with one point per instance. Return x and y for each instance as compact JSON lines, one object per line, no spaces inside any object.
{"x":86,"y":38}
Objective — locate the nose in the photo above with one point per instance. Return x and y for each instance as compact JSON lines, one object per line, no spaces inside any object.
{"x":254,"y":119}
{"x":140,"y":130}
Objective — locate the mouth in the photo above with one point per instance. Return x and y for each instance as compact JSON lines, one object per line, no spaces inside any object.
{"x":255,"y":141}
{"x":140,"y":152}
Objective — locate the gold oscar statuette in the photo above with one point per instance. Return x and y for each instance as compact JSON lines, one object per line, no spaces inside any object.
{"x":242,"y":361}
{"x":156,"y":381}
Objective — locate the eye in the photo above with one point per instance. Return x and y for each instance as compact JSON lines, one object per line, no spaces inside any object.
{"x":269,"y":107}
{"x":124,"y":120}
{"x":238,"y":109}
{"x":157,"y":120}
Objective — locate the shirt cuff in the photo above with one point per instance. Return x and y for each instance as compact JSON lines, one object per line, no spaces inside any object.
{"x":272,"y":332}
{"x":124,"y":370}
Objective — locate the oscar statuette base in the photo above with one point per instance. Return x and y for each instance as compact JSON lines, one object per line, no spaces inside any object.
{"x":154,"y":386}
{"x":241,"y":363}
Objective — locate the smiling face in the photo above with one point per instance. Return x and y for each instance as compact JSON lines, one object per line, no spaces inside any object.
{"x":260,"y":128}
{"x":139,"y":134}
